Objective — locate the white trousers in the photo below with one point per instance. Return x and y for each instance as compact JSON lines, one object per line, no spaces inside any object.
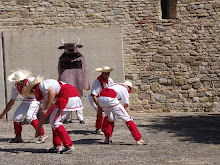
{"x":113,"y":108}
{"x":74,"y":104}
{"x":30,"y":109}
{"x":93,"y":104}
{"x":57,"y":117}
{"x":79,"y":114}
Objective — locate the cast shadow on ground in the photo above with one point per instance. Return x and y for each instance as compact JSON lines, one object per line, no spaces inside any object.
{"x":4,"y":139}
{"x":18,"y":150}
{"x":82,"y":132}
{"x":195,"y":128}
{"x":97,"y":141}
{"x":87,"y":141}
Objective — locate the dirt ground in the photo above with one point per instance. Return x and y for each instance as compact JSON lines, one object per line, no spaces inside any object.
{"x":174,"y":138}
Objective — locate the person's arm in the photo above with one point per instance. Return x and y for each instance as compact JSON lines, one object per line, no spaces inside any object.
{"x":95,"y":99}
{"x":8,"y":108}
{"x":50,"y":97}
{"x":99,"y":112}
{"x":127,"y":108}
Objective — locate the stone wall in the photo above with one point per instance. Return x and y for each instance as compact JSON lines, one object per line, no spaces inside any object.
{"x":175,"y":63}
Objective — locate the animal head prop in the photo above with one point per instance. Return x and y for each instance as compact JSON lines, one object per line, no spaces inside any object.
{"x":70,"y":48}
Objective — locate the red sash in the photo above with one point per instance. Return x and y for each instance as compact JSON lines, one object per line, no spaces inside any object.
{"x":20,"y":88}
{"x":107,"y":92}
{"x":66,"y":91}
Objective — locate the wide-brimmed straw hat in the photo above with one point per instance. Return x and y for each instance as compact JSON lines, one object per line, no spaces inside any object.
{"x":104,"y":69}
{"x":129,"y":84}
{"x":27,"y":90}
{"x":19,"y":75}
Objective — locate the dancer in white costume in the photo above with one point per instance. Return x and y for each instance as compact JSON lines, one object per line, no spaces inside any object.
{"x":103,"y":81}
{"x":29,"y":106}
{"x":109,"y":102}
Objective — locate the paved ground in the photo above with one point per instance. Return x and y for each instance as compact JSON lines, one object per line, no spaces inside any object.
{"x":177,"y":138}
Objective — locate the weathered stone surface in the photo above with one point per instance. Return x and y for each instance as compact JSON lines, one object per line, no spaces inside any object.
{"x":159,"y":54}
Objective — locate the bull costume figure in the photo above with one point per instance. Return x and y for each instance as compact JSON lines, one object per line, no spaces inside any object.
{"x":72,"y":70}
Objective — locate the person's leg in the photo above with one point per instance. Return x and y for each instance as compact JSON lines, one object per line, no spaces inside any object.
{"x":17,"y":118}
{"x":109,"y":126}
{"x":99,"y":121}
{"x":56,"y":121}
{"x":32,"y":119}
{"x":68,"y":118}
{"x":79,"y":114}
{"x":57,"y":143}
{"x":120,"y":112}
{"x":104,"y":103}
{"x":104,"y":124}
{"x":99,"y":118}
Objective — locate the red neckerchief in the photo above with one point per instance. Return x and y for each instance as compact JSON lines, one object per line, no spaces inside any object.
{"x":102,"y":81}
{"x":38,"y":93}
{"x":20,"y":88}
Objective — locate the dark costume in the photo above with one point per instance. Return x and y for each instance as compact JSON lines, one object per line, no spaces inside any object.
{"x":72,"y":70}
{"x":72,"y":67}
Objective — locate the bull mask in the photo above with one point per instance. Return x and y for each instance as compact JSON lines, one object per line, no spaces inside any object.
{"x":70,"y":48}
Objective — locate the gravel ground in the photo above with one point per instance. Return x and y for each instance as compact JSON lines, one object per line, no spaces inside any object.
{"x":174,"y":138}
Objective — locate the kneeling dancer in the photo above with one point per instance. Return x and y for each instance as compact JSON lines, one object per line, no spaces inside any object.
{"x":109,"y":102}
{"x":66,"y":99}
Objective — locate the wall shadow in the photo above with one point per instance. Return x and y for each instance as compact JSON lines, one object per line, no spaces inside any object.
{"x":194,"y":128}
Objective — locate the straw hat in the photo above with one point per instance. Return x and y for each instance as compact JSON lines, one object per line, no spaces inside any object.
{"x":19,"y":75}
{"x":27,"y":90}
{"x":129,"y":84}
{"x":104,"y":69}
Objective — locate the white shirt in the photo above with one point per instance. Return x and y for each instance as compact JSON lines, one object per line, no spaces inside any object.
{"x":122,"y":92}
{"x":15,"y":92}
{"x":97,"y":88}
{"x":46,"y":84}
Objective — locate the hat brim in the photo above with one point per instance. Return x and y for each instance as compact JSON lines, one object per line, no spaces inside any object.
{"x":104,"y":70}
{"x":27,"y":90}
{"x":11,"y":77}
{"x":133,"y":90}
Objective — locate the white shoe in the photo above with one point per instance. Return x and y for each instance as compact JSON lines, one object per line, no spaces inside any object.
{"x":99,"y":132}
{"x":141,"y":142}
{"x":55,"y":149}
{"x":68,"y":150}
{"x":42,"y":139}
{"x":107,"y":140}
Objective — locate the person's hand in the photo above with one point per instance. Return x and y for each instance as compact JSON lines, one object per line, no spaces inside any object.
{"x":2,"y":116}
{"x":38,"y":132}
{"x":44,"y":111}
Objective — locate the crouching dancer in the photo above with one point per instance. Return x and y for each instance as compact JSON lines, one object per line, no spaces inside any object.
{"x":29,"y":106}
{"x":66,"y":99}
{"x":109,"y":102}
